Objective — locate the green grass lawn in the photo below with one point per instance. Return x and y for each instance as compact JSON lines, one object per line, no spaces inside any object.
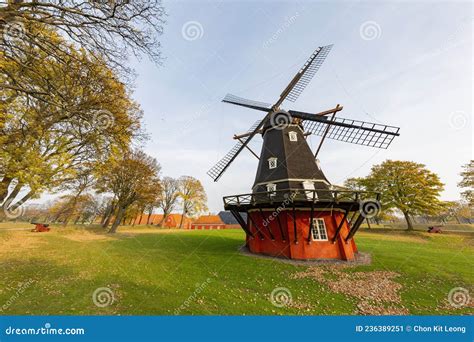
{"x":152,"y":271}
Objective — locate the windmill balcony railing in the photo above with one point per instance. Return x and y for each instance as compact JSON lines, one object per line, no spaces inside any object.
{"x":301,"y":196}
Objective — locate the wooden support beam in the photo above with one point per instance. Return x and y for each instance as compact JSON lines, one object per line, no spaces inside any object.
{"x":294,"y":224}
{"x":311,"y":224}
{"x":279,"y":224}
{"x":326,"y":132}
{"x":241,"y":222}
{"x":352,"y":218}
{"x":248,"y":148}
{"x":262,"y":237}
{"x":339,"y":227}
{"x":243,"y":135}
{"x":355,"y":227}
{"x":266,"y":226}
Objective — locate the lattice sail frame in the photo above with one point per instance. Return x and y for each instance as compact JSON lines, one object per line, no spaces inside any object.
{"x":240,"y":101}
{"x":354,"y":131}
{"x":315,"y":61}
{"x":216,"y":171}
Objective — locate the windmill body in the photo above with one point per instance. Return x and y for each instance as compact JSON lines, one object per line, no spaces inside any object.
{"x":293,"y":211}
{"x":286,"y":161}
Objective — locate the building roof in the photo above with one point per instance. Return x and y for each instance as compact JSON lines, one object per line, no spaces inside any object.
{"x":295,"y":161}
{"x":209,"y":219}
{"x":228,"y":218}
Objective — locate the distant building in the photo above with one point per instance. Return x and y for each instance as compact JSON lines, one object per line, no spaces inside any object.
{"x":208,"y":222}
{"x":172,"y":221}
{"x":229,"y":219}
{"x":224,"y":220}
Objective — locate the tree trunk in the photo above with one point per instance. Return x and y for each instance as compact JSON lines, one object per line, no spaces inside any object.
{"x":4,"y":184}
{"x":105,"y":215}
{"x":117,"y":220}
{"x":12,"y":196}
{"x":181,"y":221}
{"x":148,"y":219}
{"x":109,"y":217}
{"x":408,"y":219}
{"x":92,"y":220}
{"x":78,"y":217}
{"x":20,"y":202}
{"x":163,"y":219}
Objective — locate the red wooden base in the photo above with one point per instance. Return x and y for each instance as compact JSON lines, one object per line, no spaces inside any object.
{"x":267,"y":228}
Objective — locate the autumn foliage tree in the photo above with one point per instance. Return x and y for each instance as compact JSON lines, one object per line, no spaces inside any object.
{"x":406,"y":186}
{"x":110,"y":29}
{"x":193,"y":197}
{"x":132,"y":179}
{"x":64,"y":103}
{"x":467,"y":182}
{"x":70,"y":113}
{"x":168,"y":196}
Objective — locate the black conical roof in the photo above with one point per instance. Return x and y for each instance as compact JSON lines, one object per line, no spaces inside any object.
{"x":295,"y":162}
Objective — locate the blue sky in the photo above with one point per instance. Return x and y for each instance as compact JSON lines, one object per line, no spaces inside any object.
{"x":407,"y":64}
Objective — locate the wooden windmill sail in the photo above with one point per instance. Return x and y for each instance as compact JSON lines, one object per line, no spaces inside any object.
{"x":288,"y":169}
{"x":324,"y":124}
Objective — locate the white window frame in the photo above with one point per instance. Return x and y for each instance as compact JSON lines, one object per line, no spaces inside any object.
{"x":272,"y":163}
{"x":319,"y":231}
{"x":293,"y":136}
{"x":271,"y":187}
{"x":308,"y":185}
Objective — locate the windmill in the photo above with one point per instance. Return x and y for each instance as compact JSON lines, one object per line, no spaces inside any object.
{"x":292,"y":201}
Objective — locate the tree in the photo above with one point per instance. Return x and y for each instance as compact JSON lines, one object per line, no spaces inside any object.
{"x":168,"y":196}
{"x":407,"y":186}
{"x":79,"y":186}
{"x":193,"y":197}
{"x":74,"y":114}
{"x":111,"y":29}
{"x":72,"y":206}
{"x":355,"y":184}
{"x":132,"y":179}
{"x":467,"y":182}
{"x":458,"y":210}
